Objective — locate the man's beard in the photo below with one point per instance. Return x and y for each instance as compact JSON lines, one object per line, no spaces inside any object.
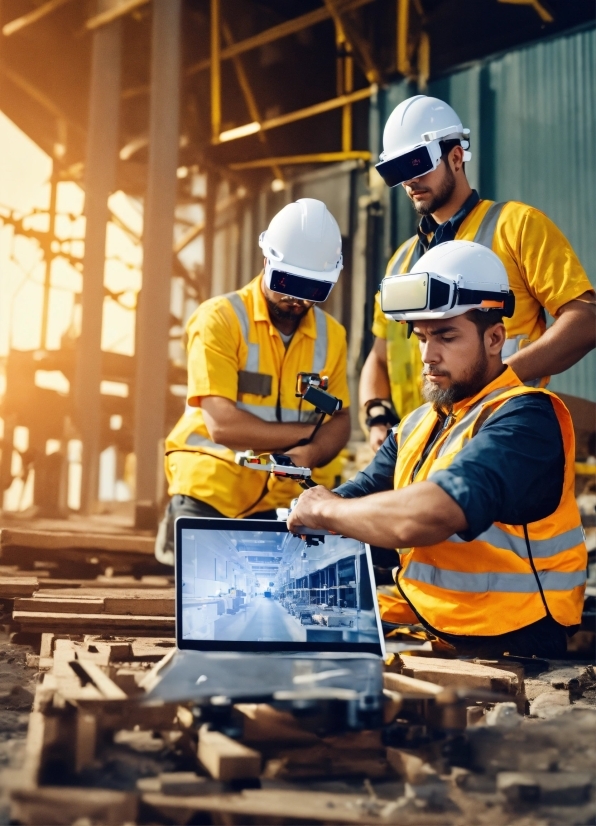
{"x":275,"y":311}
{"x":441,"y":197}
{"x":444,"y":399}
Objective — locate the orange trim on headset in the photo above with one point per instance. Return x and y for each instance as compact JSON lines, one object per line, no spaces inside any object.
{"x":493,"y":304}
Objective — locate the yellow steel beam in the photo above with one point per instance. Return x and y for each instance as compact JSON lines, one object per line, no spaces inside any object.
{"x":538,"y":7}
{"x":358,"y":43}
{"x":300,"y":114}
{"x":320,"y":157}
{"x":32,"y":17}
{"x":215,"y":72}
{"x":319,"y":108}
{"x":105,"y":17}
{"x":249,"y":98}
{"x":423,"y":60}
{"x":293,"y":26}
{"x":403,"y":25}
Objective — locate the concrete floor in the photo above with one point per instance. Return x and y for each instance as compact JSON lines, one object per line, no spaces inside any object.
{"x":262,"y":619}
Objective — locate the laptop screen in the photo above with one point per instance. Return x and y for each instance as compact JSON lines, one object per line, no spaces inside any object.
{"x":250,"y":585}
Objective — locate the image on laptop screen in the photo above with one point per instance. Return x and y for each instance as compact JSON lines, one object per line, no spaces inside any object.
{"x":258,"y":586}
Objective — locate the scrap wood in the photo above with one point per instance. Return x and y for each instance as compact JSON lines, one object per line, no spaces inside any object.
{"x":460,"y":673}
{"x":40,"y":621}
{"x":50,"y":806}
{"x":63,"y":540}
{"x":320,"y":807}
{"x":226,"y":759}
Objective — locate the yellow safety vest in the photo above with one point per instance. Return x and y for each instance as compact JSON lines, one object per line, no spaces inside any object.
{"x":488,"y":586}
{"x":543,"y":271}
{"x":235,"y":352}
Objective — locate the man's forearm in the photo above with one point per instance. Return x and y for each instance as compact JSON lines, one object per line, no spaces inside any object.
{"x":240,"y":430}
{"x":420,"y":514}
{"x":374,"y":379}
{"x":568,"y":340}
{"x":332,"y":437}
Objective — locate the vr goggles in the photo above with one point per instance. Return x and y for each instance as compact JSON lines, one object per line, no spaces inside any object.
{"x":422,"y":158}
{"x":298,"y":282}
{"x":427,"y":295}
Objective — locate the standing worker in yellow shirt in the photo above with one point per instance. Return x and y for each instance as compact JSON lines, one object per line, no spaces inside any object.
{"x":245,"y":351}
{"x":425,"y":150}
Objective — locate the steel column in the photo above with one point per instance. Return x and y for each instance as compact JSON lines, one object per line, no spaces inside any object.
{"x":100,"y":179}
{"x":153,"y":317}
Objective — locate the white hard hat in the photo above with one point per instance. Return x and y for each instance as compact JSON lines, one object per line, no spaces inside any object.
{"x":413,"y":136}
{"x":447,"y":281}
{"x":302,"y":246}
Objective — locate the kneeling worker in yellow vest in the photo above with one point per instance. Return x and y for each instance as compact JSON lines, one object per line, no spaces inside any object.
{"x":475,"y":488}
{"x":425,"y":150}
{"x":245,"y":351}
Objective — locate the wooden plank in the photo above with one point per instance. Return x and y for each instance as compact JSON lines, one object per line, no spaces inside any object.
{"x":49,"y":540}
{"x":148,"y":606}
{"x":282,"y":805}
{"x":105,"y":591}
{"x":409,"y":686}
{"x":40,"y":621}
{"x":224,"y":758}
{"x":85,"y":605}
{"x":102,"y":682}
{"x":47,"y":806}
{"x":459,"y":673}
{"x":17,"y":586}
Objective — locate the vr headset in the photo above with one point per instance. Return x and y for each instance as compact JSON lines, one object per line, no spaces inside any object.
{"x":420,"y":159}
{"x":297,"y":282}
{"x":427,"y":295}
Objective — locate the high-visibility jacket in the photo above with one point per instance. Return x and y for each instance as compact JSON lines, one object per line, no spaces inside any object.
{"x":543,"y":272}
{"x":488,"y":586}
{"x":234,"y":351}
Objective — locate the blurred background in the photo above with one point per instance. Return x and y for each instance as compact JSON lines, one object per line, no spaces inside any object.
{"x":145,"y":145}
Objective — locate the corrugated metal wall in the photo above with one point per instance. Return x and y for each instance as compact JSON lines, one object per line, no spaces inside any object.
{"x":533,"y":121}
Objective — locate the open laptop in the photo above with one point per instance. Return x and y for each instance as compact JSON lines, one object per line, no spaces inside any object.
{"x":262,"y":613}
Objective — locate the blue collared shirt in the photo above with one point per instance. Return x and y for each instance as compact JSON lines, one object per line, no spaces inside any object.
{"x":510,"y":472}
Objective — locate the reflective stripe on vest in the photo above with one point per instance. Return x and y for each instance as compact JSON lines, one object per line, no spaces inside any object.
{"x":541,"y":548}
{"x":493,"y":582}
{"x":486,"y":231}
{"x":396,"y":269}
{"x":268,"y":413}
{"x":410,"y":422}
{"x":252,"y":361}
{"x":443,"y":581}
{"x":484,"y":235}
{"x":196,"y":440}
{"x":466,"y":421}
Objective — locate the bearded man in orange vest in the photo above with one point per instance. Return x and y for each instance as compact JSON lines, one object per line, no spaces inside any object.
{"x":475,"y":489}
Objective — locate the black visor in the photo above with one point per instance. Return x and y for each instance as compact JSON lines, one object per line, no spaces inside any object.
{"x":308,"y":289}
{"x":405,"y":167}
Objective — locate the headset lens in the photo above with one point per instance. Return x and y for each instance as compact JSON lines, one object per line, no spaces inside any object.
{"x":405,"y":167}
{"x":404,"y":293}
{"x":308,"y":289}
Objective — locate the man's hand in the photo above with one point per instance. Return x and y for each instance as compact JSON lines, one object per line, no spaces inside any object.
{"x":309,"y":508}
{"x":305,"y":455}
{"x":377,"y":436}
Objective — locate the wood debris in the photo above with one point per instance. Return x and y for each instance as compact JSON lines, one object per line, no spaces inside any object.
{"x":454,"y":747}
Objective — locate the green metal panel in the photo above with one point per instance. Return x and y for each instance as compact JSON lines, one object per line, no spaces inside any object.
{"x":533,"y":121}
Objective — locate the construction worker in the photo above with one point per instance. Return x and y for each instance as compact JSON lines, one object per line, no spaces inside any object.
{"x":245,"y":350}
{"x":425,"y":150}
{"x":475,"y":488}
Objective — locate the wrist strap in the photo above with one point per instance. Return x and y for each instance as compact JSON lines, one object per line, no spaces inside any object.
{"x":380,"y":412}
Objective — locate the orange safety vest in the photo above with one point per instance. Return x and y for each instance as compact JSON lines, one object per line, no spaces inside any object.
{"x":511,"y":575}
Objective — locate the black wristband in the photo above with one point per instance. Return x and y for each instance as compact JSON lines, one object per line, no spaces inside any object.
{"x":380,"y":412}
